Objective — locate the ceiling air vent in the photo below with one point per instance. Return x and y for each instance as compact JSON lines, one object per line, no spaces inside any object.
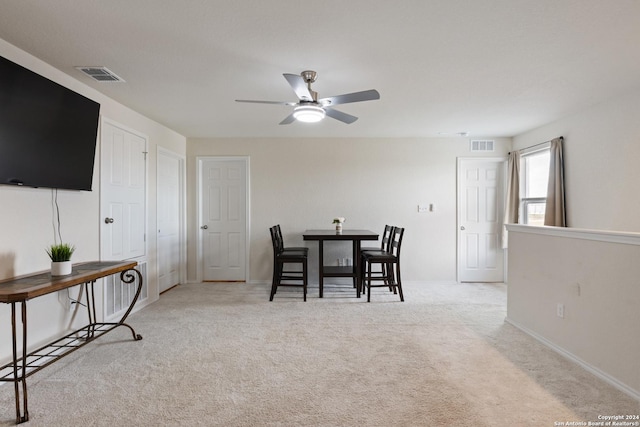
{"x":101,"y":74}
{"x":481,"y":145}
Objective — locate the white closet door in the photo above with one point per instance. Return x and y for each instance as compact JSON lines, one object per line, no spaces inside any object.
{"x":122,"y":193}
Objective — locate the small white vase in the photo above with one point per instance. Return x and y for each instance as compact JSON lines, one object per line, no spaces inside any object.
{"x":339,"y":228}
{"x":62,"y":268}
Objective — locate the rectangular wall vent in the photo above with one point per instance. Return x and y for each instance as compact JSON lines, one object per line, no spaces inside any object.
{"x":481,"y":145}
{"x":101,"y":74}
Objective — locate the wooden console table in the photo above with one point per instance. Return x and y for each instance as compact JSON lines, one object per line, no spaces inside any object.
{"x":19,"y":290}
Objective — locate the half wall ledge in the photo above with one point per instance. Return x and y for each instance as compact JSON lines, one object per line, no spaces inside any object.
{"x":578,"y":292}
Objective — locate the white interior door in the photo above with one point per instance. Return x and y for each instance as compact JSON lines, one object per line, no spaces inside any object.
{"x":223,"y":218}
{"x":169,"y":196}
{"x":480,"y":211}
{"x":122,"y":193}
{"x":122,"y":211}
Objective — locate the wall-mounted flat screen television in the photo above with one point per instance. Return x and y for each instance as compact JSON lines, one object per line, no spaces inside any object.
{"x":48,"y":133}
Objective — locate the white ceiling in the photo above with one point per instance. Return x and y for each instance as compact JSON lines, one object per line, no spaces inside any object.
{"x":487,"y":67}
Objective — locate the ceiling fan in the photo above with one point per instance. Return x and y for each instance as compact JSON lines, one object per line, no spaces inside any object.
{"x":311,"y":109}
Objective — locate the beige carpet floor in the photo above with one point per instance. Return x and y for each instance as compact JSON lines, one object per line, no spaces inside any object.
{"x":223,"y":355}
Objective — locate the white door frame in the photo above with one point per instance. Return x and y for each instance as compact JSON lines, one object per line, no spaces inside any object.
{"x":182,"y":190}
{"x":502,"y":160}
{"x":200,"y":160}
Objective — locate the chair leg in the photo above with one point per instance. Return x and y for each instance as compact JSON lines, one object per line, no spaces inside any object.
{"x":399,"y":282}
{"x":366,"y":277}
{"x":363,"y":275}
{"x":275,"y":280}
{"x":304,"y":279}
{"x":392,"y":280}
{"x":369,"y":281}
{"x":387,"y":273}
{"x":363,"y":271}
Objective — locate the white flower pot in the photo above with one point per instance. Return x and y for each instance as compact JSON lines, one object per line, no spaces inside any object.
{"x":62,"y":268}
{"x":339,"y":228}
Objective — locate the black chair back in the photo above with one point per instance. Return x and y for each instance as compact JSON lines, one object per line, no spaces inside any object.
{"x":280,"y":238}
{"x":276,"y":241}
{"x":386,"y":237}
{"x":396,"y":241}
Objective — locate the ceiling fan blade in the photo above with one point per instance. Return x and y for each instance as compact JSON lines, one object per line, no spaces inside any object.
{"x":299,"y":86}
{"x":267,"y":102}
{"x":288,"y":120}
{"x":339,"y":115}
{"x":366,"y":95}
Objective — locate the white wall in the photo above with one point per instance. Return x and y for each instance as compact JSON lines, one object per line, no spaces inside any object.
{"x":26,"y":213}
{"x":594,"y":275}
{"x":304,"y":183}
{"x":602,"y":151}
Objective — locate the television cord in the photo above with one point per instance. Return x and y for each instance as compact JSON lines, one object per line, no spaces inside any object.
{"x":56,"y":216}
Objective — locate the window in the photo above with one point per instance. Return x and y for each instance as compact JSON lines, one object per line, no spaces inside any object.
{"x":534,"y":175}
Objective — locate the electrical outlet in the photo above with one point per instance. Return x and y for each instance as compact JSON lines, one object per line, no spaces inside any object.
{"x":560,"y":310}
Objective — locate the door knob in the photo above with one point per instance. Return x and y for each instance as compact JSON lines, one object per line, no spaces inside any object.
{"x":108,"y":220}
{"x":204,"y":227}
{"x":462,"y":228}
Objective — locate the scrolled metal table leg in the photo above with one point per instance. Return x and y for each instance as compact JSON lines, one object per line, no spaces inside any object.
{"x":129,"y":276}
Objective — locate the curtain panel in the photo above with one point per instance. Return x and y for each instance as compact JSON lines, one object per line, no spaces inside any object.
{"x":512,"y":204}
{"x":554,"y":213}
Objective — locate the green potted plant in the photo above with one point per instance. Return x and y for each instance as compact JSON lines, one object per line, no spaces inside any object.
{"x":60,"y":255}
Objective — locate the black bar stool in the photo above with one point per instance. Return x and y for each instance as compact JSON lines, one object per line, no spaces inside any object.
{"x":281,"y":257}
{"x":390,"y":265}
{"x":384,"y":247}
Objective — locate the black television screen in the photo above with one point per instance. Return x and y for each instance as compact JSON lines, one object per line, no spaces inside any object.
{"x":47,"y":132}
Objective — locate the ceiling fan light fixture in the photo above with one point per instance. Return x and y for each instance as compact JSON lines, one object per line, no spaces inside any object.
{"x":308,"y":113}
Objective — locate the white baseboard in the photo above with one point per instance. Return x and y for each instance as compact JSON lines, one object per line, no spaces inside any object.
{"x":589,"y":368}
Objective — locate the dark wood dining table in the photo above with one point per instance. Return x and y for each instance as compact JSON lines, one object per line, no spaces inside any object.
{"x":353,"y":271}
